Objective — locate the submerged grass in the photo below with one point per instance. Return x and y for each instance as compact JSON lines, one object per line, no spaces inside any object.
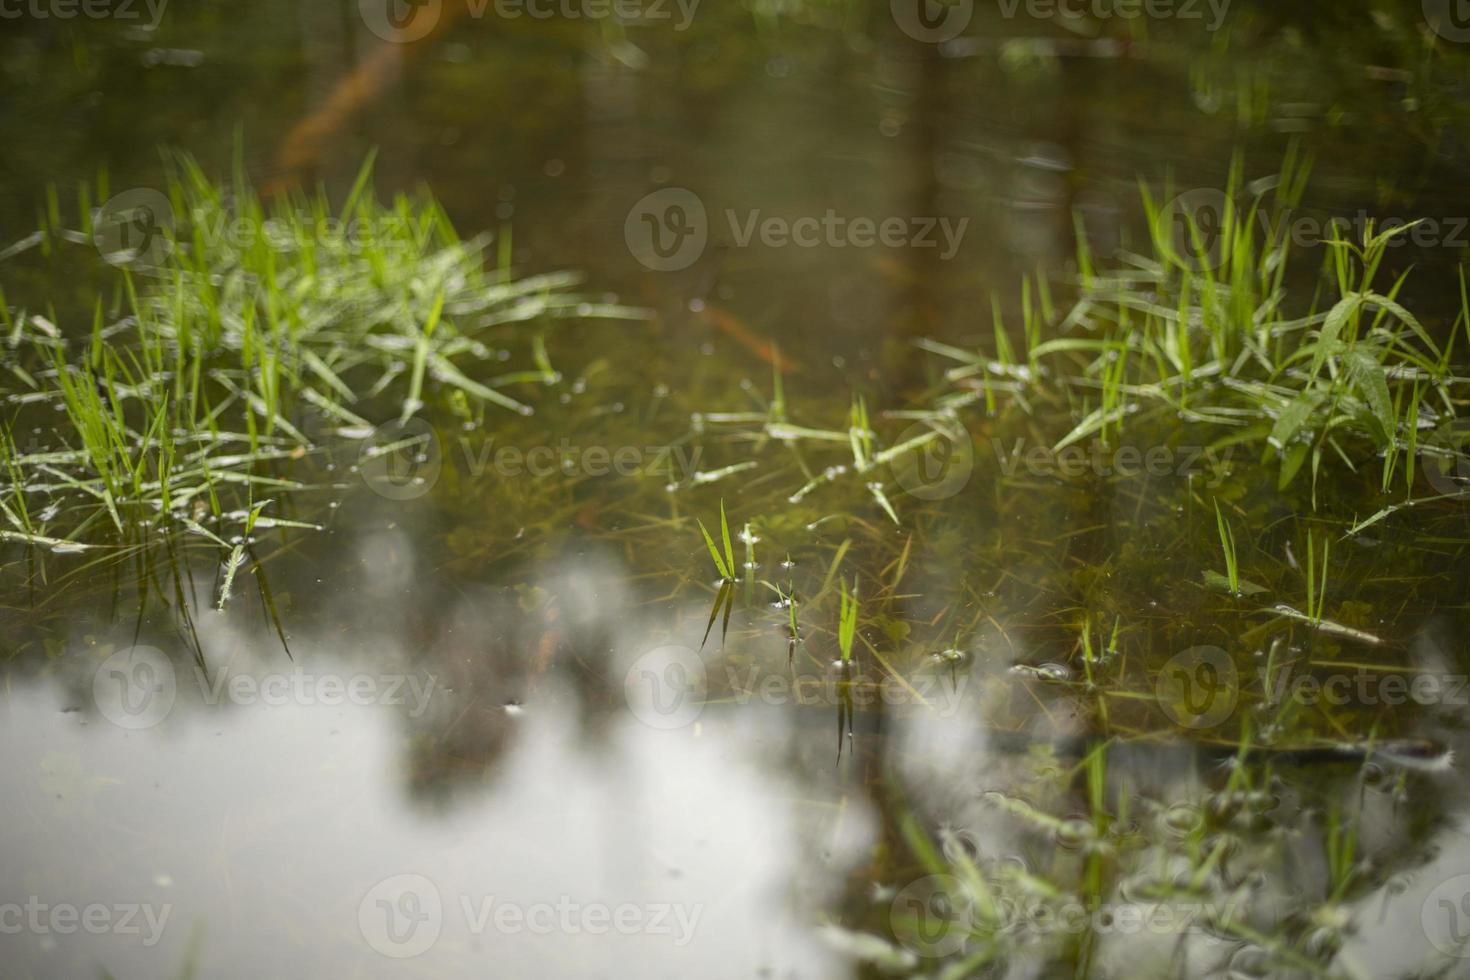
{"x":1069,"y":592}
{"x":1008,"y":573}
{"x":1227,"y":549}
{"x":246,"y":335}
{"x":847,"y":618}
{"x":724,"y":561}
{"x":1203,"y":328}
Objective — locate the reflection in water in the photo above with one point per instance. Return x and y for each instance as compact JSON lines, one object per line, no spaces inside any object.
{"x":450,"y":732}
{"x":1271,"y":850}
{"x":262,"y":825}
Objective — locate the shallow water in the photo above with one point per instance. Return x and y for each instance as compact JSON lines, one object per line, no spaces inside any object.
{"x":486,"y":720}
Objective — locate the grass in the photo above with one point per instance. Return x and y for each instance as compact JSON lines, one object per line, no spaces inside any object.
{"x":1161,"y":338}
{"x":1227,"y":550}
{"x":1158,"y":348}
{"x":1317,"y":580}
{"x":198,"y":383}
{"x":724,"y":560}
{"x":790,"y":599}
{"x":982,"y":580}
{"x":1207,"y":332}
{"x":787,"y":599}
{"x":847,"y":619}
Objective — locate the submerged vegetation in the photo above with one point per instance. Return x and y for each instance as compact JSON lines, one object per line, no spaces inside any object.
{"x":1206,"y":328}
{"x":1127,"y":544}
{"x":1213,"y":333}
{"x":847,"y":619}
{"x":206,"y":397}
{"x":724,"y":561}
{"x":241,"y":337}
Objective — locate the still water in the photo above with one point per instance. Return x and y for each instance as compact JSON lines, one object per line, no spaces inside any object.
{"x":498,"y":715}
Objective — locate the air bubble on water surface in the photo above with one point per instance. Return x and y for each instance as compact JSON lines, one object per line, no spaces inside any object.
{"x":1183,"y":818}
{"x":1074,"y":833}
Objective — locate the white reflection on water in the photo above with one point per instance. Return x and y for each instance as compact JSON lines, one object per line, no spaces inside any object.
{"x":266,"y":827}
{"x":963,"y":781}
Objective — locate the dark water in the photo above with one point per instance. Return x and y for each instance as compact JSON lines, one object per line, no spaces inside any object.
{"x":481,"y":724}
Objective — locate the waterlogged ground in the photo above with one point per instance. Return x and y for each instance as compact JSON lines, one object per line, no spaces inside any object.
{"x":474,"y":697}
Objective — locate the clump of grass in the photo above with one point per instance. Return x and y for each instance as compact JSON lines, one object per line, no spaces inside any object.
{"x":860,"y":438}
{"x":1200,"y":329}
{"x":405,"y":300}
{"x":260,"y":323}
